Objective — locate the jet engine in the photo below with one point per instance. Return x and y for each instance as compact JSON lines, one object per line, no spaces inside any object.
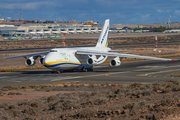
{"x":115,"y":62}
{"x":31,"y":61}
{"x":41,"y":60}
{"x":92,"y":60}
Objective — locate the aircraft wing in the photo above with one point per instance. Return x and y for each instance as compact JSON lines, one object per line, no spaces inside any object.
{"x":120,"y":50}
{"x":32,"y":54}
{"x":122,"y":55}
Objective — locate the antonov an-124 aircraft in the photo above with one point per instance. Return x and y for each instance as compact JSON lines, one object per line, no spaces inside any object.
{"x":81,"y":58}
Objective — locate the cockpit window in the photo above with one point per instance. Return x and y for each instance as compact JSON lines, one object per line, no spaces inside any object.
{"x":53,"y":50}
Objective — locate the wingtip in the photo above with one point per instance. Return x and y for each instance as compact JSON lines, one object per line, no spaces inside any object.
{"x":173,"y":60}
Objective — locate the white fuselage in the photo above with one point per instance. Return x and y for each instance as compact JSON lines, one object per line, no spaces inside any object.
{"x":66,"y":58}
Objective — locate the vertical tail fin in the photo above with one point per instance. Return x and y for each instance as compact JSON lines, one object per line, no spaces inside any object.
{"x":58,"y":34}
{"x":126,"y":28}
{"x":103,"y":38}
{"x":19,"y":36}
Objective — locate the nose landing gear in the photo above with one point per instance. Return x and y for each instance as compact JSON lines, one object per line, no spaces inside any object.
{"x":87,"y":70}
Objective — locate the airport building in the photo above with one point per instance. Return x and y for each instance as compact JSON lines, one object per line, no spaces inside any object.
{"x":1,"y":19}
{"x":6,"y":30}
{"x":55,"y":28}
{"x":171,"y":25}
{"x":70,"y":27}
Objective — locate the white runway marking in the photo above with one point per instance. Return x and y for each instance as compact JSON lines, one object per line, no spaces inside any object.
{"x":149,"y":66}
{"x":146,"y":74}
{"x":5,"y":72}
{"x":160,"y":67}
{"x":67,"y":78}
{"x":13,"y":81}
{"x":4,"y":77}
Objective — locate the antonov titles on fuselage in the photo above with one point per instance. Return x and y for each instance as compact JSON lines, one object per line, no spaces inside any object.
{"x":81,"y":58}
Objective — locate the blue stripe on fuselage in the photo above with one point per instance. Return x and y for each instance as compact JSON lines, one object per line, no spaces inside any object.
{"x":58,"y":64}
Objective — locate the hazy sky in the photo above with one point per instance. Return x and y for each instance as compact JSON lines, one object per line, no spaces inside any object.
{"x":118,"y":11}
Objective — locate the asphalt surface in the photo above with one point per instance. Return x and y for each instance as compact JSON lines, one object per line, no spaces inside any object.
{"x":145,"y":71}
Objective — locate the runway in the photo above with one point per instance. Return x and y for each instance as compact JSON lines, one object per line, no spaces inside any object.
{"x":144,"y":71}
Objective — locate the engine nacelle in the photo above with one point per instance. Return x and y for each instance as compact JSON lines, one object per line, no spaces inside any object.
{"x":41,"y":60}
{"x":92,"y":60}
{"x":31,"y":61}
{"x":115,"y":62}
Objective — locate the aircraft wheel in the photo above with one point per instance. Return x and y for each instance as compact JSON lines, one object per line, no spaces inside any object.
{"x":71,"y":70}
{"x":58,"y":72}
{"x":84,"y":70}
{"x":53,"y":71}
{"x":90,"y":69}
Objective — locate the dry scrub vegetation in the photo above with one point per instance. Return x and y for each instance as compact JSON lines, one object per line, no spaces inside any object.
{"x":136,"y":101}
{"x":58,"y":42}
{"x":176,"y":74}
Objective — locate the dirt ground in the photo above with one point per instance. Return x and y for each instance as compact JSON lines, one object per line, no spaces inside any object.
{"x":157,"y":101}
{"x":18,"y":44}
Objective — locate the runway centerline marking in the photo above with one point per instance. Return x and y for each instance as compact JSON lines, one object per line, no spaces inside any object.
{"x":67,"y":78}
{"x":149,"y":66}
{"x":146,"y":74}
{"x":14,"y":81}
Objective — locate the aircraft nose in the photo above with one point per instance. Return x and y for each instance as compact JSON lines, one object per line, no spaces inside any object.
{"x":47,"y":59}
{"x":44,"y":60}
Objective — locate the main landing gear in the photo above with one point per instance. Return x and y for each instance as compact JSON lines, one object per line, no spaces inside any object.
{"x":56,"y":71}
{"x":88,"y":70}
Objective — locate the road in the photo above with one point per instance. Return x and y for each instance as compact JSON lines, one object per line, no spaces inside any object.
{"x":145,"y":71}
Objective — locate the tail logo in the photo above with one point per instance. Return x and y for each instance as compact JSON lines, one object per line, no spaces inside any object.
{"x":104,"y":35}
